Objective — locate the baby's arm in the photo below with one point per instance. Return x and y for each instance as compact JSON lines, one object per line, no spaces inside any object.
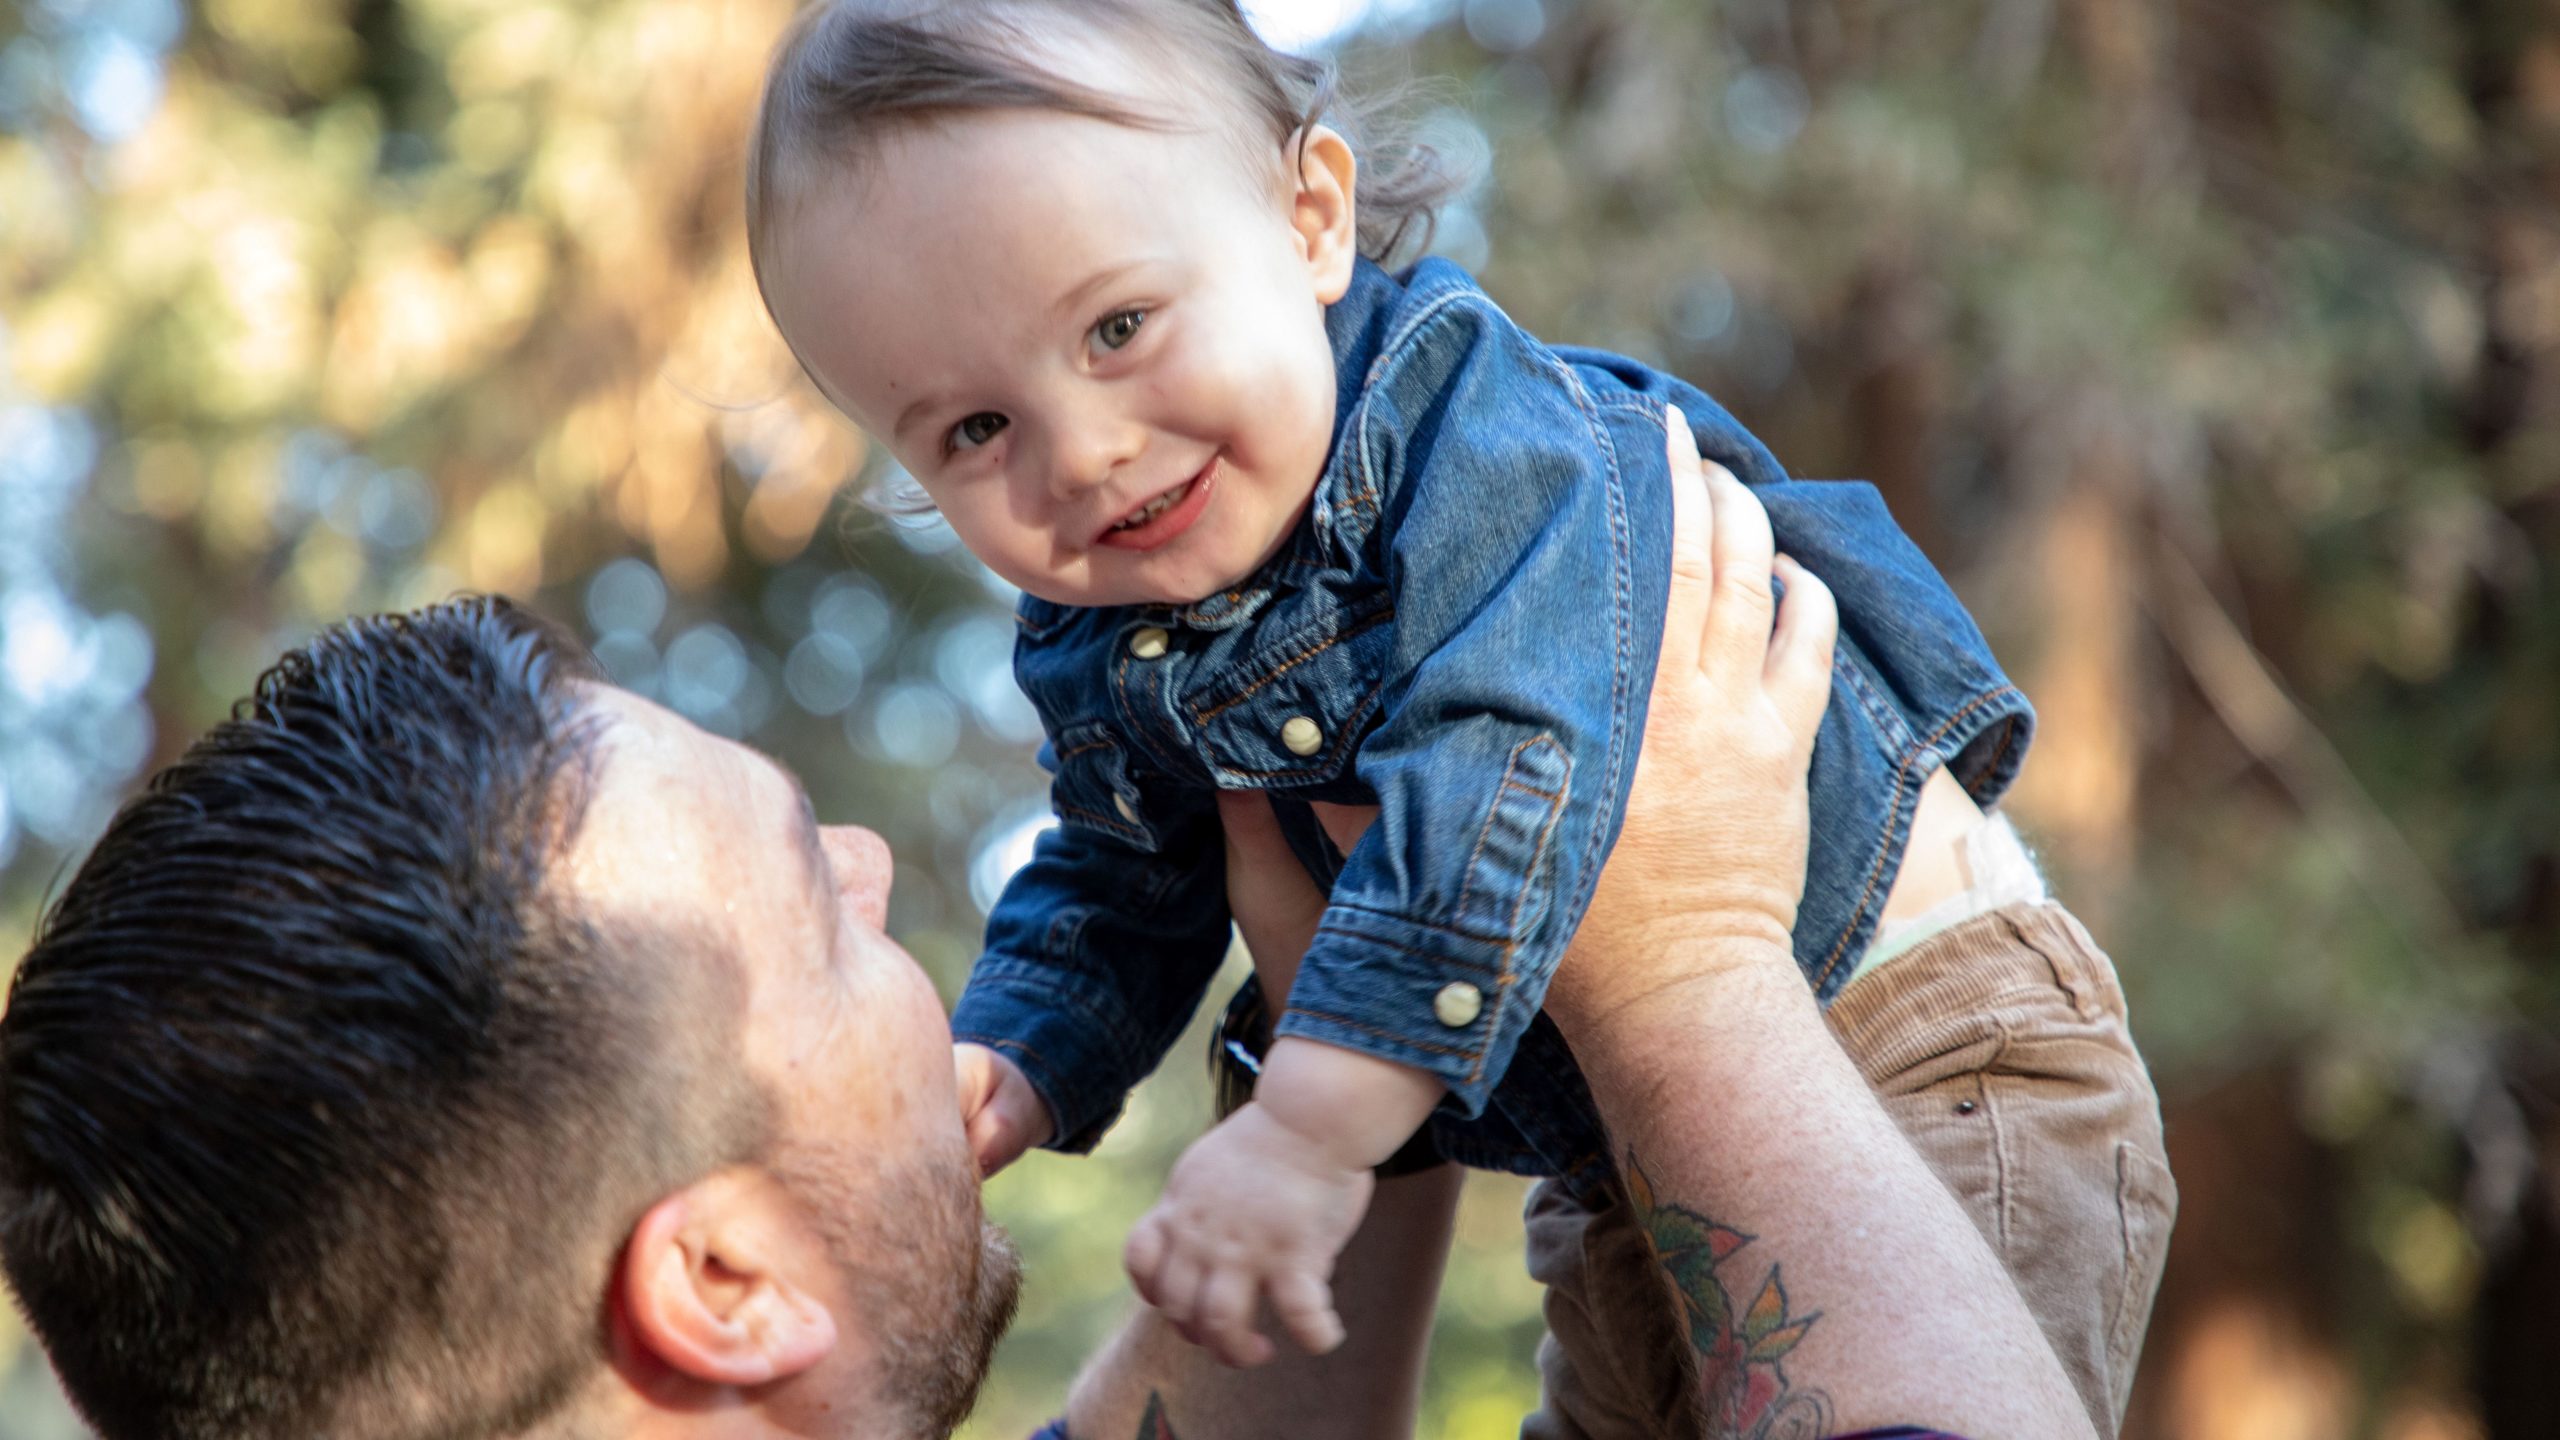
{"x":1321,"y":1117}
{"x":1262,"y":1204}
{"x":1097,"y":955}
{"x":1369,"y":1388}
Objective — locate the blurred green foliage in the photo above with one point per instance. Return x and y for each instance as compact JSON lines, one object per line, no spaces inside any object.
{"x":2210,"y":346}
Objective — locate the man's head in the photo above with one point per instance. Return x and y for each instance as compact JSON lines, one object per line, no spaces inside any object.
{"x":449,"y":1045}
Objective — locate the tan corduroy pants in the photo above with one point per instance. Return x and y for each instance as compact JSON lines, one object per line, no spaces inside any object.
{"x":2000,"y":1046}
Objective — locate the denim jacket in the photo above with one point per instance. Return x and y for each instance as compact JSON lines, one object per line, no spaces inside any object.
{"x":1461,"y":631}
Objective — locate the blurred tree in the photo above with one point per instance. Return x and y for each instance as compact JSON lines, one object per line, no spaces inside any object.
{"x":2207,"y":345}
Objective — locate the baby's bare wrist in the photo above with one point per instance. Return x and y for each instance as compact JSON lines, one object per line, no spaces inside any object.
{"x":1352,"y":1109}
{"x":1329,"y":1149}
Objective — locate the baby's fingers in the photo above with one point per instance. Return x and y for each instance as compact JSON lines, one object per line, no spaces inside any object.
{"x":1304,"y":1304}
{"x":987,"y":1143}
{"x":1177,"y":1294}
{"x":1225,"y":1321}
{"x":1143,"y":1257}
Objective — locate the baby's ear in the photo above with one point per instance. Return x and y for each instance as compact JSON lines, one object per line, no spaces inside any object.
{"x":1324,"y":212}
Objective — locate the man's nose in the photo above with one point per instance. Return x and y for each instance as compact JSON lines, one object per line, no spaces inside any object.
{"x":862,"y":865}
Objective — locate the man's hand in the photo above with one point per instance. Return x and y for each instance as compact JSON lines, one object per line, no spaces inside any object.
{"x":1713,"y":845}
{"x":1254,"y":1208}
{"x":1004,"y":1115}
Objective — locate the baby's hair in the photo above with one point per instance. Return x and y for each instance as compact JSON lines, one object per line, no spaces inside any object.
{"x":847,"y":70}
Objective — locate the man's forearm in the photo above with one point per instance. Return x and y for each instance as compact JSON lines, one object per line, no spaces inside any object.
{"x":1818,"y":1296}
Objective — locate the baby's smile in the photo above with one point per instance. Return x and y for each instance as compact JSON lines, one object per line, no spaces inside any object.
{"x":1164,"y":518}
{"x":1101,"y":349}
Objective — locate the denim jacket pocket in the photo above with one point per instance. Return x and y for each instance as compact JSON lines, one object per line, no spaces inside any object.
{"x":1093,"y":787}
{"x":1293,"y":714}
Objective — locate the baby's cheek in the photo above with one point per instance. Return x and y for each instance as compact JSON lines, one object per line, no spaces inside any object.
{"x":1036,"y":560}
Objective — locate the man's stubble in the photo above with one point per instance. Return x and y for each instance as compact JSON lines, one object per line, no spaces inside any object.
{"x":934,"y":1281}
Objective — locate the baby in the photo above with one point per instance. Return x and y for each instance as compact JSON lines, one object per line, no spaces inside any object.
{"x":1102,"y":278}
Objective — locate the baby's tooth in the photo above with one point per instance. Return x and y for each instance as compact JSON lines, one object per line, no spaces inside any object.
{"x":1153,"y":508}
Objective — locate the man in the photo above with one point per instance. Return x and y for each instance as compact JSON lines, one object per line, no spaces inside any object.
{"x":452,"y":1045}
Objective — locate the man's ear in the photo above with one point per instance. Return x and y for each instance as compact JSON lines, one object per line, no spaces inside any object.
{"x":1324,"y":211}
{"x":711,"y":1289}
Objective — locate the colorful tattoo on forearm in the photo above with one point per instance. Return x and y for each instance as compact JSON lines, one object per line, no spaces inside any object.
{"x":1153,"y":1425}
{"x":1742,"y":1384}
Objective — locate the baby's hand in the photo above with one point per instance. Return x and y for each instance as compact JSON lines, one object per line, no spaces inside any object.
{"x":1253,"y":1208}
{"x":1004,"y":1115}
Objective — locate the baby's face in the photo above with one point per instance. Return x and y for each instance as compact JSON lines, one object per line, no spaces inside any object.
{"x":1100,"y":349}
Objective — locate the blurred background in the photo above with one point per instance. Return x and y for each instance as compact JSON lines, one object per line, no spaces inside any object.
{"x":2211,"y":346}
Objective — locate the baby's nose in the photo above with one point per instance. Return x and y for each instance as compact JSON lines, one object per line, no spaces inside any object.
{"x":1091,"y":451}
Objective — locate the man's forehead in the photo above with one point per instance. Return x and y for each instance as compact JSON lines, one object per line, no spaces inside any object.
{"x":691,"y":834}
{"x":668,"y":801}
{"x":673,"y":805}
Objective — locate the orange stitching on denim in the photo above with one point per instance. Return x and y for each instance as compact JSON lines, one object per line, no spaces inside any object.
{"x":1350,"y":727}
{"x":1361,"y":626}
{"x":1484,"y":832}
{"x":1418,"y":924}
{"x":2008,"y":736}
{"x":1232,"y":598}
{"x":1555,"y":817}
{"x":1101,"y":823}
{"x":1354,"y":937}
{"x":1346,"y":1023}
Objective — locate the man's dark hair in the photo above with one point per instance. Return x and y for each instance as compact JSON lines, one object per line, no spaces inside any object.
{"x":320,"y":1113}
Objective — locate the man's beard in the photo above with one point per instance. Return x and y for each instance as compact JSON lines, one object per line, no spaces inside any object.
{"x":933,"y":1280}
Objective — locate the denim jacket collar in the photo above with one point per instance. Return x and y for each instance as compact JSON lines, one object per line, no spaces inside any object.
{"x":1362,"y":325}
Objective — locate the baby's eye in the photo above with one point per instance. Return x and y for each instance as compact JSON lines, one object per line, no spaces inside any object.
{"x":977,"y":430}
{"x":1118,"y":328}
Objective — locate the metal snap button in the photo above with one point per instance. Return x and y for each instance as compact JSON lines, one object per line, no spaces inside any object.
{"x":1301,"y":735}
{"x":1127,"y":811}
{"x":1458,"y":1004}
{"x":1149,"y":643}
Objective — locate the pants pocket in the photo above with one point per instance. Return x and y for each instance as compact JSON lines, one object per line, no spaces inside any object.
{"x":2147,"y":1204}
{"x":2036,"y":1112}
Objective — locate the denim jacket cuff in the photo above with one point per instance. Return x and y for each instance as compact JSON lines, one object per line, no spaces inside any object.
{"x":1060,"y":1050}
{"x":1417,"y":994}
